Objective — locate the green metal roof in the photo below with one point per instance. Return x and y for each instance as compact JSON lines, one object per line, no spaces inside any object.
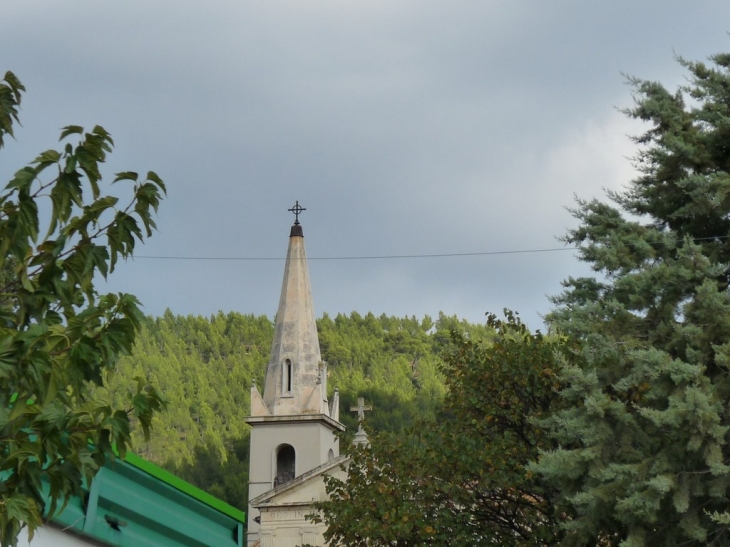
{"x":135,"y":503}
{"x":177,"y":482}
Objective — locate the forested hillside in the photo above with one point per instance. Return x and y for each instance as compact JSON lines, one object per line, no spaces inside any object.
{"x":204,"y":368}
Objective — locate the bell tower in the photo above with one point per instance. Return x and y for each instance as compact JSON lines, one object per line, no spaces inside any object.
{"x":293,"y":423}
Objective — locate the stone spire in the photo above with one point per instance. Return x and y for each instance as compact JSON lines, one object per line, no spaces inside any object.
{"x":296,"y":377}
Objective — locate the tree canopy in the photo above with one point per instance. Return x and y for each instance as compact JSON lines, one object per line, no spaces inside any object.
{"x":643,"y":441}
{"x":460,"y":478}
{"x":58,"y":335}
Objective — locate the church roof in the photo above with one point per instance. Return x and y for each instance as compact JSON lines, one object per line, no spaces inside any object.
{"x":268,"y":498}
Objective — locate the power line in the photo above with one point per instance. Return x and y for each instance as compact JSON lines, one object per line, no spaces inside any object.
{"x":388,"y":257}
{"x":372,"y":257}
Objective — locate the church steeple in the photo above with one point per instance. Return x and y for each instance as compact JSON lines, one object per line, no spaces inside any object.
{"x":296,"y":376}
{"x":293,"y":425}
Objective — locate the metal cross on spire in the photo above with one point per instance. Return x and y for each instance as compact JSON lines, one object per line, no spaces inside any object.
{"x":297,"y":209}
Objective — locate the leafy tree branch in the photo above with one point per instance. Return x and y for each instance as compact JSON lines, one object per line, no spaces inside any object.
{"x":59,"y":336}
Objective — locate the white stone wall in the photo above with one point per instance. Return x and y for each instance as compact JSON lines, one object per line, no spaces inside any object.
{"x":287,"y":527}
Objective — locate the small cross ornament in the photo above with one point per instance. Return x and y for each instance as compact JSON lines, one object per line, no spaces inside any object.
{"x":360,"y":409}
{"x":297,"y":209}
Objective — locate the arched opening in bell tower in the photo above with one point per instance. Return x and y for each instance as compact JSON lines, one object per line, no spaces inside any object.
{"x":285,"y":464}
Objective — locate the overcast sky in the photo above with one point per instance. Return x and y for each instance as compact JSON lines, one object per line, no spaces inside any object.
{"x":404,"y":127}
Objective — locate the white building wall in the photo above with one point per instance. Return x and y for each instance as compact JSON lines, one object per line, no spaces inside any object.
{"x":50,"y":536}
{"x":311,"y":441}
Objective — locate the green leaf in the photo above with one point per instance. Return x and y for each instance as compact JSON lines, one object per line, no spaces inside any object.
{"x":23,"y":179}
{"x":152,"y":176}
{"x":126,"y":175}
{"x":71,"y":130}
{"x":10,"y":97}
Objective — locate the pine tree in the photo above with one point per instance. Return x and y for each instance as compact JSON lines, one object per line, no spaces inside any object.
{"x":643,"y":457}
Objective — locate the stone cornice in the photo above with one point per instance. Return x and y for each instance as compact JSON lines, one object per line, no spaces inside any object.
{"x":296,"y":418}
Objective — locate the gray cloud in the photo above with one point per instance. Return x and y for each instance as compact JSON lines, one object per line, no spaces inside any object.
{"x":407,"y":127}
